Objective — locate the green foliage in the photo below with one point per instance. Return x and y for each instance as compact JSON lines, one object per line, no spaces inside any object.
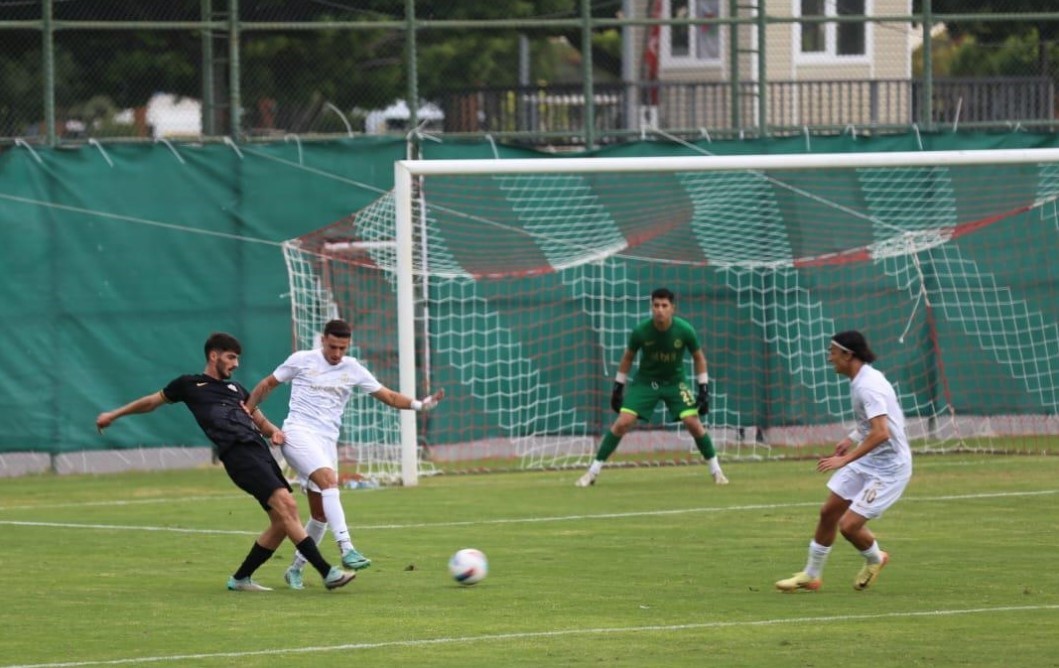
{"x":994,"y":32}
{"x":20,"y":104}
{"x":291,"y":74}
{"x":651,"y":567}
{"x":1018,"y":55}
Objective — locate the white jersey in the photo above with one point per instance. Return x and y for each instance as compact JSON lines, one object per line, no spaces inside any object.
{"x":320,"y":390}
{"x":873,"y":396}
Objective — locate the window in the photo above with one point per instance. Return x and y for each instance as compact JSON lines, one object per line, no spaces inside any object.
{"x":813,"y":38}
{"x":850,"y":36}
{"x":830,"y":40}
{"x":695,"y":44}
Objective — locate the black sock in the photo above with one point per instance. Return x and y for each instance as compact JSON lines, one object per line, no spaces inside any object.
{"x":309,"y":550}
{"x":257,"y":556}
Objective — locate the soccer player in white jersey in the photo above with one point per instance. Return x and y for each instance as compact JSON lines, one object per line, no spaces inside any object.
{"x":872,"y":465}
{"x":322,"y":381}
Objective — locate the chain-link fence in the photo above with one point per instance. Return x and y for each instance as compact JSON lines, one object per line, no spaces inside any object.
{"x":539,"y":71}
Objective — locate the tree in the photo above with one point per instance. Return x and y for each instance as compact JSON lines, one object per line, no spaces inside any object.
{"x":994,"y":32}
{"x":288,"y":76}
{"x":992,"y":48}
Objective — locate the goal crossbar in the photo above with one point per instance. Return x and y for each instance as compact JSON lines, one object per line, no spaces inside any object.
{"x":408,"y":168}
{"x":406,"y":172}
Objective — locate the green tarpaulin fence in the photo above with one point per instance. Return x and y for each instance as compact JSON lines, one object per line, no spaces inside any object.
{"x":118,"y":262}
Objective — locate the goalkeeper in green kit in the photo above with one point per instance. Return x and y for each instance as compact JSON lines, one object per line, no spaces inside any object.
{"x":662,"y":340}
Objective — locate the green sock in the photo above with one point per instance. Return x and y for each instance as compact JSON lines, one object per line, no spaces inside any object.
{"x":705,"y":446}
{"x":607,"y":446}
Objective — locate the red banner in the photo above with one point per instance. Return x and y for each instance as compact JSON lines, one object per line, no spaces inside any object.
{"x":652,"y":53}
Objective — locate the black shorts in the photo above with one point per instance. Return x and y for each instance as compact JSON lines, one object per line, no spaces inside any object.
{"x":254,"y":470}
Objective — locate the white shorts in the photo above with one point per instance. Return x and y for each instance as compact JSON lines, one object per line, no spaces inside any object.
{"x":307,"y":451}
{"x":870,"y":492}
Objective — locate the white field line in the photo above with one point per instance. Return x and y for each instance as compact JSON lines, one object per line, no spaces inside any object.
{"x":933,"y":463}
{"x":533,"y":635}
{"x":124,"y":502}
{"x":531,"y":520}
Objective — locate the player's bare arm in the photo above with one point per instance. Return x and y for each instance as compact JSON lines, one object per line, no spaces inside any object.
{"x":843,"y":446}
{"x":402,"y":402}
{"x":261,"y":392}
{"x":144,"y":404}
{"x":699,"y":358}
{"x":270,"y":431}
{"x":879,"y":433}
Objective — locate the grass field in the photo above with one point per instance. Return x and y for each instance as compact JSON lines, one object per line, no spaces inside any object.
{"x":651,"y":567}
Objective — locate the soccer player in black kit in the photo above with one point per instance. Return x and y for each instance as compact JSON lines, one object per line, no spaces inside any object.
{"x":217,"y":402}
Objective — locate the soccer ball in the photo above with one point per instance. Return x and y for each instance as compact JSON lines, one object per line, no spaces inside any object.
{"x":468,"y":566}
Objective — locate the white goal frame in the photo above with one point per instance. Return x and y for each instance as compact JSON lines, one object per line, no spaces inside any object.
{"x":407,"y":171}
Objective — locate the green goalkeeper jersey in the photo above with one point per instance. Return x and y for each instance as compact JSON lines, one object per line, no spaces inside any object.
{"x":662,"y":353}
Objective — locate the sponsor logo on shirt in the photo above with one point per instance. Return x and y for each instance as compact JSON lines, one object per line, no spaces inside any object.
{"x":328,"y":389}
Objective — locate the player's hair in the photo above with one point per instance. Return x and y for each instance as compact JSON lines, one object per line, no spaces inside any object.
{"x":222,"y":342}
{"x":339,"y":329}
{"x":854,"y":342}
{"x":664,"y":293}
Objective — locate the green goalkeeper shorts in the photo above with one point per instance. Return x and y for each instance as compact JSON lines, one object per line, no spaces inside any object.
{"x":641,"y":397}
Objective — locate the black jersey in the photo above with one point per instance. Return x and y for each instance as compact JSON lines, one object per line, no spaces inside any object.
{"x":218,"y":408}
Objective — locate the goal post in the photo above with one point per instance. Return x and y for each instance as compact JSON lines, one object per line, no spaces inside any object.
{"x":513,"y":284}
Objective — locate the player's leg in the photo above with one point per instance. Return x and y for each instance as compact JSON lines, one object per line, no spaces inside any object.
{"x":336,"y":516}
{"x":326,"y":479}
{"x":705,"y":445}
{"x":316,"y":456}
{"x":254,"y":470}
{"x":315,"y":527}
{"x":854,"y":528}
{"x":842,"y":485}
{"x":261,"y":551}
{"x":874,"y":499}
{"x":639,"y":401}
{"x":300,"y":452}
{"x":680,"y":401}
{"x":621,"y":426}
{"x":249,"y":472}
{"x":283,"y":511}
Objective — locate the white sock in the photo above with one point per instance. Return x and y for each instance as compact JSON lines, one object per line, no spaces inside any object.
{"x":715,"y":466}
{"x":316,"y":530}
{"x":873,"y":554}
{"x":596,"y":467}
{"x":336,"y":518}
{"x":817,"y":557}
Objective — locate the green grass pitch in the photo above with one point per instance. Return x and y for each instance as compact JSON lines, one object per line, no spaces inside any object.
{"x":651,"y":567}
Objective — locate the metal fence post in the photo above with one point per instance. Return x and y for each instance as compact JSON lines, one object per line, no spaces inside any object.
{"x":733,"y":59}
{"x":586,"y":73}
{"x":48,"y":44}
{"x":209,"y":126}
{"x":762,"y":71}
{"x":928,"y":69}
{"x":413,"y":71}
{"x":235,"y":107}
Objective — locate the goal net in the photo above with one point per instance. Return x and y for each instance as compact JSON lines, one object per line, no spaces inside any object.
{"x":514,"y":285}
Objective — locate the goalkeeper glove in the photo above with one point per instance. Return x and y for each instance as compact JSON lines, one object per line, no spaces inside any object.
{"x":703,"y":398}
{"x":617,"y":395}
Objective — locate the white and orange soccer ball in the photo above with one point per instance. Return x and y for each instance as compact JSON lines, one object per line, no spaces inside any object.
{"x":468,"y":566}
